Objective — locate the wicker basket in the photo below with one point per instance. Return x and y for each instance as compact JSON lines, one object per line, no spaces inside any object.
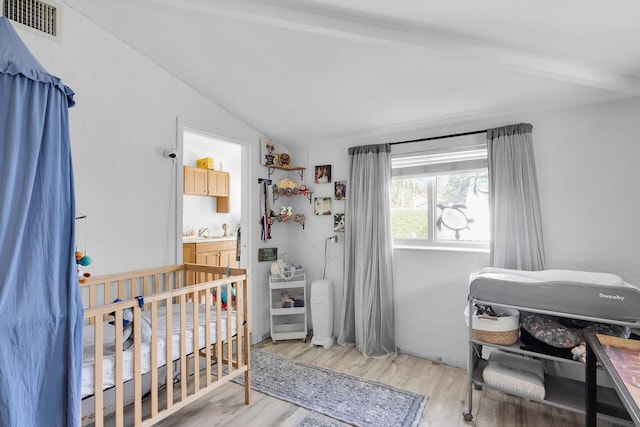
{"x":497,"y":330}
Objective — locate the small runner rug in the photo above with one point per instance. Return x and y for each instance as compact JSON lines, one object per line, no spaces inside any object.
{"x":342,"y":397}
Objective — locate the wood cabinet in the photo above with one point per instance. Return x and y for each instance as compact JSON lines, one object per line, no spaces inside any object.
{"x":195,"y":181}
{"x":217,"y":183}
{"x":218,"y":253}
{"x":207,"y":182}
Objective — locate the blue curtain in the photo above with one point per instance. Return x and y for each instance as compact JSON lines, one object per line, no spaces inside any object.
{"x":41,"y":313}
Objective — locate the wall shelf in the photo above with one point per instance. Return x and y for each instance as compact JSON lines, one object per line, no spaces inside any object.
{"x":284,"y":218}
{"x":288,"y":192}
{"x":299,"y":169}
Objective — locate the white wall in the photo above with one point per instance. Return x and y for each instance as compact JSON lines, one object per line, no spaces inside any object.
{"x":587,"y":172}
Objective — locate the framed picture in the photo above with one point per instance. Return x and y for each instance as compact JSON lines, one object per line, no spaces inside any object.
{"x":323,"y":174}
{"x":267,"y":151}
{"x":322,"y":205}
{"x":338,"y":222}
{"x":340,"y":190}
{"x":267,"y":254}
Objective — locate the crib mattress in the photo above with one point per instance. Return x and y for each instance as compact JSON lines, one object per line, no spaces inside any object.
{"x":108,"y":366}
{"x":598,"y":295}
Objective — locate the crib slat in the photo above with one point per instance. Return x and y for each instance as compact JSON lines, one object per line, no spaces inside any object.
{"x":219,"y":340}
{"x":145,"y":287}
{"x":137,"y":368}
{"x":92,"y":301}
{"x":239,"y":329}
{"x":229,"y":331}
{"x":154,"y":357}
{"x":169,"y":355}
{"x":207,"y":337}
{"x":183,"y":347}
{"x":119,"y":386}
{"x":196,"y":344}
{"x":105,"y":295}
{"x":98,"y":338}
{"x":247,"y":349}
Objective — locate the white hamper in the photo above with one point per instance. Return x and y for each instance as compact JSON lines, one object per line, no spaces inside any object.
{"x":322,"y":312}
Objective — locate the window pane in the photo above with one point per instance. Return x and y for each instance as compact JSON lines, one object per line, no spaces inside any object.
{"x":463,"y":207}
{"x":410,"y":208}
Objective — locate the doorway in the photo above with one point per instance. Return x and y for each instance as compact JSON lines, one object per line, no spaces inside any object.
{"x":204,"y":216}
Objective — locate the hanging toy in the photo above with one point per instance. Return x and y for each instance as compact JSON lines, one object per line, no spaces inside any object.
{"x":82,"y":259}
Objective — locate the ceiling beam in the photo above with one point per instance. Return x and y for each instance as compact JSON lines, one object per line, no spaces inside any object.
{"x":384,"y":31}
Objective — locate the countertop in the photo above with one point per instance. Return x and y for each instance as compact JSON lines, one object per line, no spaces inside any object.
{"x":206,"y":239}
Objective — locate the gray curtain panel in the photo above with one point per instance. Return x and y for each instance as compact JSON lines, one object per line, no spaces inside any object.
{"x":516,"y":224}
{"x":367,"y":317}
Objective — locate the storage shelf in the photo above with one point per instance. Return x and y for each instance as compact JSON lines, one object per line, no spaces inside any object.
{"x":565,"y":393}
{"x":561,"y":392}
{"x":283,"y":284}
{"x":287,"y":322}
{"x":279,"y":311}
{"x":515,"y":348}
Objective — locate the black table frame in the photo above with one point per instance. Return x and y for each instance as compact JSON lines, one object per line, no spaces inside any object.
{"x":596,"y":353}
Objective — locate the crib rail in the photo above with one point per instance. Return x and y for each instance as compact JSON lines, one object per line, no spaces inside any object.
{"x":185,"y":288}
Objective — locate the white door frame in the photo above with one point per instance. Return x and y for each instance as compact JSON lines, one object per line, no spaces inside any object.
{"x":245,"y":224}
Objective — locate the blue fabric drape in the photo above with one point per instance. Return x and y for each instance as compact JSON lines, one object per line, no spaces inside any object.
{"x":41,"y":313}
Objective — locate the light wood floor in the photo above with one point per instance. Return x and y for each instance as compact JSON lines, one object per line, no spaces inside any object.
{"x":445,"y":386}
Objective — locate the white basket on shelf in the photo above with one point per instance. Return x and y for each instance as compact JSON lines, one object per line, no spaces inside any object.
{"x":284,"y":269}
{"x":503,"y":330}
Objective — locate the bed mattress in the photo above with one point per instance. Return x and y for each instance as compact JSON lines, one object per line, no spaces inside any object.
{"x":597,"y":295}
{"x":108,"y":366}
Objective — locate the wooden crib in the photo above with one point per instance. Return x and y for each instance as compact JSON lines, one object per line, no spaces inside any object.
{"x":177,"y":304}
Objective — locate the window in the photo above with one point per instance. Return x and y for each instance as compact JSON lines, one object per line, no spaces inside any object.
{"x":440,"y":196}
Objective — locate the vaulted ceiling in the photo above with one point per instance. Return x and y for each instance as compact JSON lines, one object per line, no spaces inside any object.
{"x":309,"y":71}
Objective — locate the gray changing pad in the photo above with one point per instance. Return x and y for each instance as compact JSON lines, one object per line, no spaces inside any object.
{"x":597,"y":295}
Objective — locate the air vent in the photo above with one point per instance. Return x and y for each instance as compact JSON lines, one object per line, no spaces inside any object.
{"x":35,"y":14}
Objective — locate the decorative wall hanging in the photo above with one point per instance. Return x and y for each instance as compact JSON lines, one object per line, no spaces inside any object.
{"x":323,"y":174}
{"x":322,"y":206}
{"x":338,"y":222}
{"x":267,"y":151}
{"x":340,"y":190}
{"x":284,"y":159}
{"x":267,"y":254}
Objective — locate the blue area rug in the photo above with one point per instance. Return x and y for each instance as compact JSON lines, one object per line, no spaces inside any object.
{"x":342,"y":397}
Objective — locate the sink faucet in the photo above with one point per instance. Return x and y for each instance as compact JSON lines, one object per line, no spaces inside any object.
{"x":202,"y":231}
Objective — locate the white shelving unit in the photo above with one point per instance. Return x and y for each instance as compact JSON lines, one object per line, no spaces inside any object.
{"x":288,"y":323}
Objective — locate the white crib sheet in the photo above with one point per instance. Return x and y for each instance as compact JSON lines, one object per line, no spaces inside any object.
{"x":108,"y":366}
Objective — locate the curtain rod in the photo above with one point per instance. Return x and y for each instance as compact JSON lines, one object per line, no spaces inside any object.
{"x":440,"y":137}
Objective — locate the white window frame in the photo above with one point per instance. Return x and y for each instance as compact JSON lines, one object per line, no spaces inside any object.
{"x":431,"y":159}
